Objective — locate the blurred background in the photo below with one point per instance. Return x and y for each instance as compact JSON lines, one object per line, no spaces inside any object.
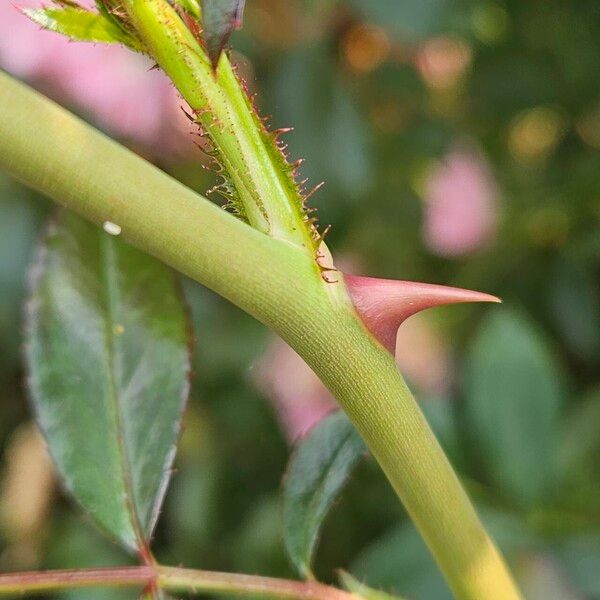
{"x":459,"y":141}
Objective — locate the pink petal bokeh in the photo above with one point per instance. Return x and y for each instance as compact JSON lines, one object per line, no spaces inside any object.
{"x":423,"y":356}
{"x":111,"y":85}
{"x":461,"y":211}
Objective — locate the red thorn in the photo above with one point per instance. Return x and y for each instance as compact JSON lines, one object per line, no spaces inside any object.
{"x":383,"y":304}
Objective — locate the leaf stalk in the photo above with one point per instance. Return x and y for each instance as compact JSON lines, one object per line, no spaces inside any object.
{"x":169,"y":579}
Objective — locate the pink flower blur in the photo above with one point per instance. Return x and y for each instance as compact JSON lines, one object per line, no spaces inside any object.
{"x":423,"y":357}
{"x":461,"y":210}
{"x":298,"y":396}
{"x":108,"y":83}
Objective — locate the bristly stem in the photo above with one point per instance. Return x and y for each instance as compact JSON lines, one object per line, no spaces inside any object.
{"x":260,"y":183}
{"x":169,"y":579}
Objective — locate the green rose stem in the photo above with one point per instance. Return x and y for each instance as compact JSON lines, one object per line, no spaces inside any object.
{"x":49,"y":149}
{"x":172,"y":580}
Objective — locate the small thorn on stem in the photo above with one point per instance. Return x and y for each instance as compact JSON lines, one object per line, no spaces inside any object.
{"x":281,"y":131}
{"x":314,"y":190}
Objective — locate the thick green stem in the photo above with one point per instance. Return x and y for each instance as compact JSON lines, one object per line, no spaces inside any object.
{"x":170,"y":579}
{"x":54,"y":152}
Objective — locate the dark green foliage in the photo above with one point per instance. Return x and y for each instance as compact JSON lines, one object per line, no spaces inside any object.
{"x":317,"y":471}
{"x":219,"y":19}
{"x":513,"y":401}
{"x":581,"y":557}
{"x":78,"y":543}
{"x":413,"y":19}
{"x":108,"y":361}
{"x":303,"y":86}
{"x":399,"y":561}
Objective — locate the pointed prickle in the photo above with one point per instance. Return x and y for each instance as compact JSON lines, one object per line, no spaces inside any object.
{"x":281,"y":131}
{"x":188,"y":114}
{"x":314,"y":190}
{"x":383,"y":304}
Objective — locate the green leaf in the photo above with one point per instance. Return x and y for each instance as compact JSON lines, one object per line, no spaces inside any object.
{"x":360,"y":589}
{"x":317,"y":471}
{"x":580,"y":557}
{"x":219,"y":19}
{"x":81,"y":25}
{"x":399,"y":561}
{"x":20,"y":216}
{"x":513,"y":399}
{"x":108,"y":360}
{"x":579,"y":440}
{"x":439,"y":412}
{"x":307,"y":84}
{"x":509,"y":530}
{"x":574,"y":300}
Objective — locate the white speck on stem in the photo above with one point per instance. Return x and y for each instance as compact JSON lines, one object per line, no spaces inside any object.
{"x":111,"y":228}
